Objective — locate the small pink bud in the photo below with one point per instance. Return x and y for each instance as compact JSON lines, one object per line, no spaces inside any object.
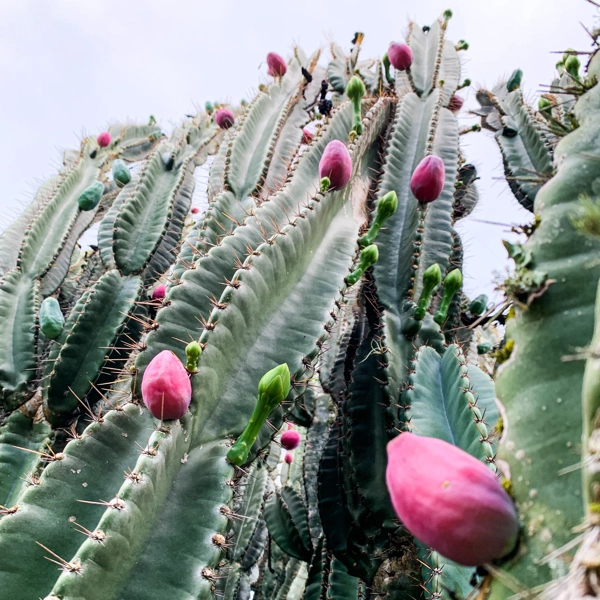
{"x":224,"y":118}
{"x":455,"y":103}
{"x":290,"y":426}
{"x":336,"y":164}
{"x":195,"y":210}
{"x":159,"y":292}
{"x":276,"y":64}
{"x":290,"y":439}
{"x":427,"y":181}
{"x":307,"y":136}
{"x":400,"y":56}
{"x":449,"y":500}
{"x":103,"y":139}
{"x":289,"y":458}
{"x":166,"y":387}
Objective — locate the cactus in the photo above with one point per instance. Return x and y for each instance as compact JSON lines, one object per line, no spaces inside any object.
{"x":134,"y":452}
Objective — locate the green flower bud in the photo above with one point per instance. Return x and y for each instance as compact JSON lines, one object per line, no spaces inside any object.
{"x":431,"y":279}
{"x":355,"y":90}
{"x":464,"y":84}
{"x":193,"y":351}
{"x":514,"y":81}
{"x":325,"y":183}
{"x":386,"y":207}
{"x":368,"y":257}
{"x":484,"y":348}
{"x":152,"y":120}
{"x":386,"y":66}
{"x":274,"y":386}
{"x":462,"y":45}
{"x":452,"y":284}
{"x":572,"y":66}
{"x":478,"y":305}
{"x":544,"y":105}
{"x":567,"y":53}
{"x":208,"y":106}
{"x":447,"y":14}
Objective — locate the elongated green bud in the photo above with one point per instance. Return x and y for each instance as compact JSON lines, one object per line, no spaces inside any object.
{"x":464,"y":84}
{"x":355,"y":90}
{"x":386,"y":66}
{"x":272,"y":390}
{"x":514,"y":81}
{"x":431,"y":279}
{"x":478,"y":305}
{"x":193,"y":351}
{"x":452,"y":284}
{"x":544,"y":105}
{"x":368,"y":257}
{"x":386,"y":207}
{"x":572,"y":66}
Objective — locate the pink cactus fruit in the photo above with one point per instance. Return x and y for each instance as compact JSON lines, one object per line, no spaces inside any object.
{"x":307,"y":136}
{"x":289,"y":458}
{"x":276,"y":64}
{"x":224,"y":118}
{"x":427,"y":181}
{"x":449,"y":500}
{"x":195,"y":210}
{"x":166,"y":387}
{"x":336,"y":164}
{"x":400,"y":56}
{"x":290,"y":439}
{"x":103,"y":139}
{"x":159,"y":292}
{"x":456,"y":103}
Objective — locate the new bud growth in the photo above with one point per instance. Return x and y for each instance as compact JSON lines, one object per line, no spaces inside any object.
{"x":514,"y":81}
{"x":572,"y":65}
{"x":91,"y":196}
{"x":461,"y":45}
{"x":159,"y":292}
{"x":368,"y":257}
{"x":336,"y":165}
{"x":276,"y":64}
{"x":224,"y":118}
{"x":103,"y":139}
{"x":427,"y":181}
{"x":452,"y":284}
{"x":208,"y":107}
{"x":289,"y":458}
{"x":400,"y":55}
{"x":355,"y":90}
{"x":431,"y":279}
{"x":447,"y":14}
{"x":290,"y":439}
{"x":195,"y":210}
{"x":307,"y":136}
{"x":478,"y":306}
{"x":120,"y":172}
{"x":386,"y":66}
{"x":52,"y":320}
{"x":544,"y":105}
{"x":456,"y":103}
{"x":193,"y":351}
{"x":386,"y":207}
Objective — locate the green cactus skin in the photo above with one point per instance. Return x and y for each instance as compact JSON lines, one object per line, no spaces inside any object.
{"x":536,"y":385}
{"x":90,"y":197}
{"x":52,"y":320}
{"x":386,"y":207}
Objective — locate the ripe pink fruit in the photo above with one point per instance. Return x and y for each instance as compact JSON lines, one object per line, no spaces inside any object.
{"x":224,"y":118}
{"x":400,"y":56}
{"x":166,"y":387}
{"x":449,"y":500}
{"x":427,"y":181}
{"x":159,"y":292}
{"x":103,"y":139}
{"x":455,"y":103}
{"x":276,"y":64}
{"x":289,"y":458}
{"x":290,"y":439}
{"x":307,"y":136}
{"x":336,"y":164}
{"x":195,"y":210}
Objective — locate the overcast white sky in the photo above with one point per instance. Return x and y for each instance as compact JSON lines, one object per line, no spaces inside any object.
{"x":71,"y":67}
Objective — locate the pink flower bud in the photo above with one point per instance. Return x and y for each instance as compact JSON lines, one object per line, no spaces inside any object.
{"x":449,"y":500}
{"x":336,"y":164}
{"x":455,"y":103}
{"x":166,"y":387}
{"x":400,"y":56}
{"x":307,"y":136}
{"x":195,"y":210}
{"x":224,"y":118}
{"x":103,"y":139}
{"x":290,"y":426}
{"x":290,"y":439}
{"x":289,"y":458}
{"x":276,"y":64}
{"x":427,"y":181}
{"x":159,"y":292}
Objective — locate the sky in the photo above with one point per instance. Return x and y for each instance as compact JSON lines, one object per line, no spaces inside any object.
{"x":71,"y":67}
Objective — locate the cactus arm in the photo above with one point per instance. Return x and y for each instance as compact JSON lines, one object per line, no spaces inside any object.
{"x":449,"y":71}
{"x":428,"y":50}
{"x":75,"y":363}
{"x":19,"y":468}
{"x":19,"y":300}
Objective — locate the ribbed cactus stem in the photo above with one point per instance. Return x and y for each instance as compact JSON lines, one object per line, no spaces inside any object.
{"x":273,"y":387}
{"x":355,"y":90}
{"x":452,"y":284}
{"x":368,"y":257}
{"x":386,"y":207}
{"x":432,"y":277}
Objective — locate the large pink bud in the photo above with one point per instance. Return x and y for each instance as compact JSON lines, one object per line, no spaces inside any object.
{"x":449,"y":500}
{"x":336,"y":164}
{"x":166,"y":387}
{"x":276,"y":64}
{"x":427,"y":181}
{"x":103,"y":139}
{"x":224,"y":118}
{"x":400,"y":56}
{"x":290,"y":439}
{"x":456,"y":103}
{"x":159,"y":292}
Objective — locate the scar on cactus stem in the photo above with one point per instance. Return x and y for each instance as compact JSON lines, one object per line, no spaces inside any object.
{"x":193,"y":351}
{"x":449,"y":500}
{"x":307,"y":136}
{"x":452,"y":284}
{"x":276,"y":64}
{"x":427,"y":181}
{"x":386,"y":207}
{"x":273,"y":388}
{"x":400,"y":55}
{"x":166,"y":388}
{"x":289,"y":458}
{"x":335,"y":166}
{"x":355,"y":90}
{"x":432,"y":277}
{"x":224,"y":118}
{"x":103,"y":139}
{"x":91,"y":196}
{"x":290,"y":439}
{"x":368,"y":257}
